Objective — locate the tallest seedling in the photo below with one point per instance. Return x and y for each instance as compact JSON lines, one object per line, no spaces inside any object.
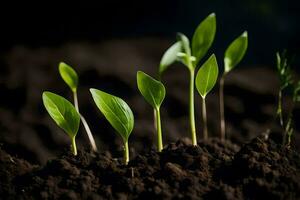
{"x":190,"y":56}
{"x":70,"y":76}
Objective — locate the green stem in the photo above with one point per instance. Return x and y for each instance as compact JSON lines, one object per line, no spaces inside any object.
{"x":126,"y":153}
{"x":205,"y":132}
{"x":85,"y":124}
{"x":279,"y":109}
{"x":222,"y":112}
{"x":159,"y":132}
{"x":191,"y":107}
{"x":73,"y":146}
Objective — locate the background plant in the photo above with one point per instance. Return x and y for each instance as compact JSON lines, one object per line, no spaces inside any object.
{"x":190,"y":56}
{"x":233,"y":55}
{"x":64,"y":114}
{"x":118,"y":114}
{"x":70,"y":76}
{"x":287,"y":84}
{"x":205,"y":81}
{"x":154,"y":93}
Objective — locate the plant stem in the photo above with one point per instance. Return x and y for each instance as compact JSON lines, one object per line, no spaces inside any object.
{"x":205,"y":132}
{"x":155,"y":120}
{"x":222,"y":114}
{"x":279,"y":109}
{"x":159,"y":132}
{"x":191,"y":107}
{"x":126,"y":153}
{"x":73,"y":146}
{"x":85,"y":124}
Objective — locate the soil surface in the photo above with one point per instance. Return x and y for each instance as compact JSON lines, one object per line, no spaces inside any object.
{"x":212,"y":170}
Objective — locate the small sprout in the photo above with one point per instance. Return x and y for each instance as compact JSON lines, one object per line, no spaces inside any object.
{"x":233,"y":55}
{"x":205,"y":81}
{"x":64,"y":114}
{"x":191,"y":56}
{"x":118,"y":114}
{"x":286,"y":81}
{"x":154,"y":92}
{"x":70,"y":76}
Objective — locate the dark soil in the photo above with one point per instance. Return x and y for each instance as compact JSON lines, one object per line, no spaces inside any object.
{"x":211,"y":170}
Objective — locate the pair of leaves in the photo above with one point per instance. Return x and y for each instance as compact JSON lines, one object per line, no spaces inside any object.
{"x":62,"y":112}
{"x":69,"y":75}
{"x":207,"y":76}
{"x":153,"y":91}
{"x":201,"y":42}
{"x":116,"y":111}
{"x":235,"y":52}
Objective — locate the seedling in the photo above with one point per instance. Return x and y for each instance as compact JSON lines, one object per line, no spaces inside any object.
{"x":118,"y":114}
{"x":286,"y":82}
{"x":64,"y":114}
{"x":233,"y":55}
{"x":154,"y":92}
{"x":190,"y":57}
{"x":70,"y":76}
{"x":205,"y":81}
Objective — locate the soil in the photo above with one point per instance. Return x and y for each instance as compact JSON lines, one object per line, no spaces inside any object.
{"x":212,"y":170}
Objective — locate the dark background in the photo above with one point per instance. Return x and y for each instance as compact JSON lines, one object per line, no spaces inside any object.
{"x":108,"y":41}
{"x":272,"y":25}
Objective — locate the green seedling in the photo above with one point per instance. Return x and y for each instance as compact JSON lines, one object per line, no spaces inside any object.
{"x":70,"y":76}
{"x":205,"y":81}
{"x":287,"y":83}
{"x":154,"y":92}
{"x":118,"y":114}
{"x":190,"y":56}
{"x":233,"y":55}
{"x":64,"y":114}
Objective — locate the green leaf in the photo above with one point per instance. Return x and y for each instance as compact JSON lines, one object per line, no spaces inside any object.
{"x":204,"y":37}
{"x":69,"y":75}
{"x":207,"y":76}
{"x":235,"y":52}
{"x":169,"y":57}
{"x":153,"y":91}
{"x":62,"y":112}
{"x":116,"y":111}
{"x":185,"y":43}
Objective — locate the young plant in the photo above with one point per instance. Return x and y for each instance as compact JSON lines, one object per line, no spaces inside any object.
{"x":118,"y":114}
{"x":205,"y":81}
{"x":286,"y":82}
{"x":190,"y":56}
{"x":233,"y":55}
{"x":154,"y":92}
{"x":64,"y":114}
{"x":70,"y":76}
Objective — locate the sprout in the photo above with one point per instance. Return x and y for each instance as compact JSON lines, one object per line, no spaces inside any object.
{"x":70,"y":76}
{"x":190,"y":57}
{"x":286,"y":81}
{"x":64,"y":114}
{"x":154,"y":92}
{"x":233,"y":55}
{"x":205,"y":81}
{"x":118,"y":114}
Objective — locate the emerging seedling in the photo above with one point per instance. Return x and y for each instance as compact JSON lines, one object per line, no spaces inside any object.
{"x":70,"y":76}
{"x":205,"y":81}
{"x":233,"y":55}
{"x":64,"y":114}
{"x":118,"y":114}
{"x":190,"y":56}
{"x":154,"y":92}
{"x":286,"y":82}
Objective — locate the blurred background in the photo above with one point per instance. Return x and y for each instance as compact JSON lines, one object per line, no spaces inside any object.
{"x":109,"y":41}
